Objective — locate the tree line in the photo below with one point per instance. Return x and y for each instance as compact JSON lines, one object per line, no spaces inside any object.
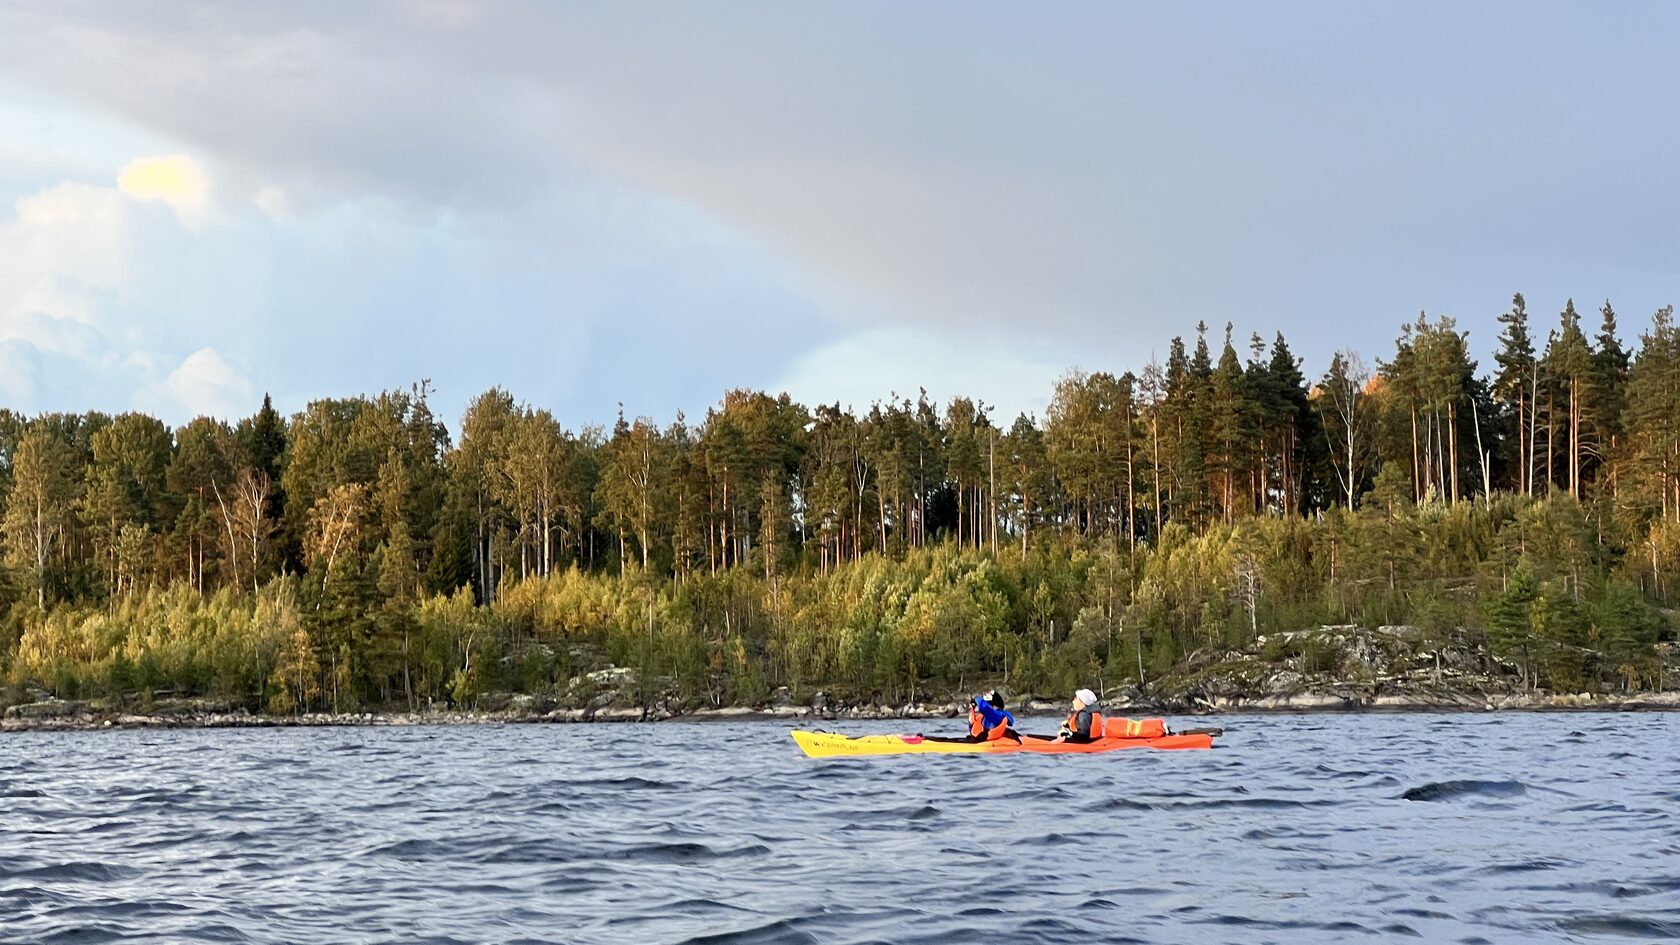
{"x":355,"y":553}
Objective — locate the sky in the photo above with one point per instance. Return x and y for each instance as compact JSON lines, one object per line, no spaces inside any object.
{"x":595,"y":205}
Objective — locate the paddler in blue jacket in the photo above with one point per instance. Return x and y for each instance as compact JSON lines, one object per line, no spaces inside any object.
{"x":988,"y":720}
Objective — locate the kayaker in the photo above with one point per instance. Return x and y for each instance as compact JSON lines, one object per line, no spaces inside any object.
{"x":1083,"y":725}
{"x":988,"y":720}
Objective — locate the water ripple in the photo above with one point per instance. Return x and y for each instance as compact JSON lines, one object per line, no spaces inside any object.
{"x":1300,"y":829}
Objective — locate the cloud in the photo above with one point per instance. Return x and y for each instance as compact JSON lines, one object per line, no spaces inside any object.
{"x":1098,"y":178}
{"x":92,"y":307}
{"x":66,"y":251}
{"x":273,"y":202}
{"x":176,"y":181}
{"x":204,"y":384}
{"x":1011,"y":374}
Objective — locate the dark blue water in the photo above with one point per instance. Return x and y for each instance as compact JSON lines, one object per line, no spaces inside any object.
{"x":1452,"y":828}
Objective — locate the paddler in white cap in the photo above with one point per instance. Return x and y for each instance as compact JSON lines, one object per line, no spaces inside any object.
{"x":1083,"y":725}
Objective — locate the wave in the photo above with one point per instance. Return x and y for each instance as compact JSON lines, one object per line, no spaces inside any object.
{"x":81,"y":872}
{"x":1624,"y":926}
{"x":779,"y":932}
{"x":1527,"y":866}
{"x":1453,"y":790}
{"x":686,"y":852}
{"x":1213,"y":803}
{"x":709,"y":836}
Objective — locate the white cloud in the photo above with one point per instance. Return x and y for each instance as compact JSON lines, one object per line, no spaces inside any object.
{"x":273,"y":202}
{"x":70,"y":226}
{"x":1007,"y":373}
{"x":91,"y":315}
{"x":66,"y":249}
{"x":206,"y":384}
{"x":67,"y":254}
{"x":448,"y":14}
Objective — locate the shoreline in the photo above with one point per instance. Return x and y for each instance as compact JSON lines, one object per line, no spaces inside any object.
{"x":58,"y":716}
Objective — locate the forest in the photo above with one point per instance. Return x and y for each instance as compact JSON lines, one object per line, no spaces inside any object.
{"x":356,"y":554}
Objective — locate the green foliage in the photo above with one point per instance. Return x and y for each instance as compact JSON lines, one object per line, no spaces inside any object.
{"x":1151,"y":524}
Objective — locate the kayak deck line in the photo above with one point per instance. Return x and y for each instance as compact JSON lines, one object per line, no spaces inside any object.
{"x":835,"y":745}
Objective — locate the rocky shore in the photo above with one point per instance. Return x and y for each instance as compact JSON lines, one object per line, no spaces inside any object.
{"x":57,"y":715}
{"x":1325,"y":669}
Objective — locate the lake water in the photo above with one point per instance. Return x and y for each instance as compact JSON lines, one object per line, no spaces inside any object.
{"x":1451,"y":828}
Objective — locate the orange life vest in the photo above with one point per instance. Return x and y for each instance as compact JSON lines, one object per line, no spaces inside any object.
{"x":1072,"y":724}
{"x":977,"y":727}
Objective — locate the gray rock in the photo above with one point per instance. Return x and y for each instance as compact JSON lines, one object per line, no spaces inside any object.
{"x":530,"y":703}
{"x":1317,"y":700}
{"x":726,"y":712}
{"x":47,"y":709}
{"x":179,"y":708}
{"x":1282,"y":683}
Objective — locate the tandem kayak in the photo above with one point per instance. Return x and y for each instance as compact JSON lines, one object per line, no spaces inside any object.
{"x":831,"y":745}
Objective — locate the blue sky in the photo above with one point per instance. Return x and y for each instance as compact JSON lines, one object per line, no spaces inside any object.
{"x":649,"y":204}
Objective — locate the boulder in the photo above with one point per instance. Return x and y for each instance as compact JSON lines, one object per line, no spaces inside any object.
{"x":47,"y":709}
{"x":182,"y":708}
{"x":1282,"y":683}
{"x":1122,"y":698}
{"x":530,"y":703}
{"x":727,"y":712}
{"x":1401,"y":700}
{"x":616,"y":677}
{"x":1317,"y":700}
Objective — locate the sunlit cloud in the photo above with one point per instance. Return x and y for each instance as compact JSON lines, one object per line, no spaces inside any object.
{"x":176,"y":180}
{"x":884,"y":364}
{"x":205,"y":384}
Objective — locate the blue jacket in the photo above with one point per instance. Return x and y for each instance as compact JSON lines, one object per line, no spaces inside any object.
{"x":990,"y":714}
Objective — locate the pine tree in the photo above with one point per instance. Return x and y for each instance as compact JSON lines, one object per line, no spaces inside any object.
{"x":1028,"y":476}
{"x":1513,"y":388}
{"x":1570,"y":359}
{"x":1653,"y":413}
{"x":1231,"y":426}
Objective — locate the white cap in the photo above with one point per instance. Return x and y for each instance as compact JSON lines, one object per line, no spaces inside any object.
{"x":1086,"y":696}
